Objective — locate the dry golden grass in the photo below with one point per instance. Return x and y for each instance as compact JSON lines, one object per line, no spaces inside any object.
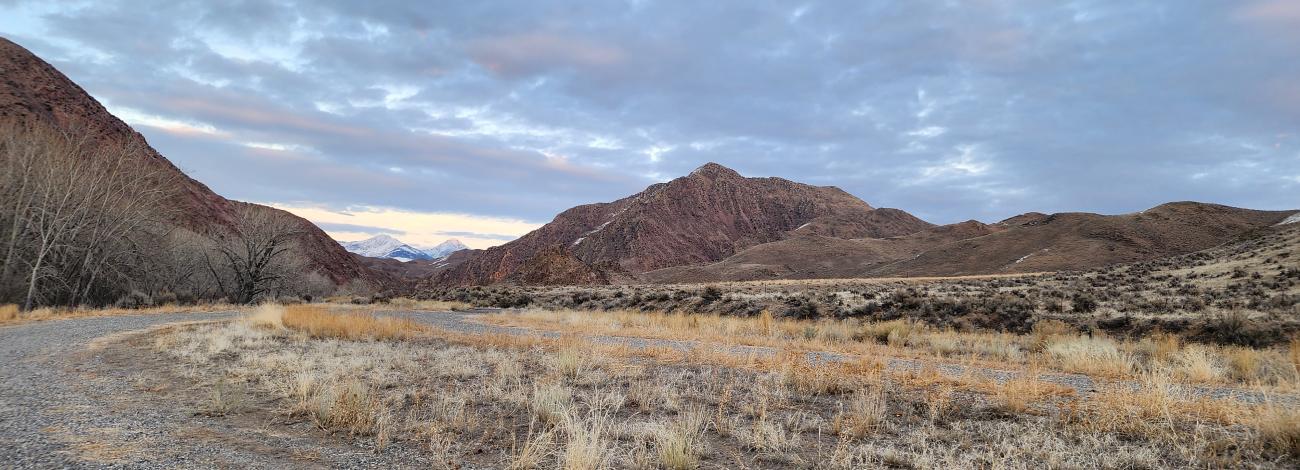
{"x":1090,"y":355}
{"x":824,"y":377}
{"x":319,"y":322}
{"x":550,"y":401}
{"x":679,"y":443}
{"x":1278,"y":427}
{"x":8,"y":312}
{"x":266,"y":315}
{"x":1051,"y":344}
{"x":348,"y":406}
{"x":403,"y":303}
{"x":534,"y":450}
{"x":587,"y":446}
{"x":585,"y":404}
{"x":11,"y":314}
{"x":1019,"y":394}
{"x":864,"y":415}
{"x":1294,"y":353}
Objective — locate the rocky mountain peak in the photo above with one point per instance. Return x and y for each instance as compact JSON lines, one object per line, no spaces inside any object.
{"x":714,"y":171}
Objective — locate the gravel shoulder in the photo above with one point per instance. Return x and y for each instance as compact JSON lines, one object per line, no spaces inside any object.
{"x":49,"y":416}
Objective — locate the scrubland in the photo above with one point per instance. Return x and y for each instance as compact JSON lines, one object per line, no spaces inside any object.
{"x":572,"y":401}
{"x":1050,"y":344}
{"x":1245,"y":293}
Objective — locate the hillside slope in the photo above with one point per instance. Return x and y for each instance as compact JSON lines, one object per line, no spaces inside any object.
{"x":1072,"y":241}
{"x":810,"y":255}
{"x":32,"y":90}
{"x":1027,"y":243}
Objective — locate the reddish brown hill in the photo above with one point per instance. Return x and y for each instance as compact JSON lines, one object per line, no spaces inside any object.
{"x":1072,"y":241}
{"x":812,"y":255}
{"x":1026,"y":243}
{"x":33,"y":90}
{"x":706,"y":216}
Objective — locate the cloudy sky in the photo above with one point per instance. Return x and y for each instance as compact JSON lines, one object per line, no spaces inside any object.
{"x":481,"y":120}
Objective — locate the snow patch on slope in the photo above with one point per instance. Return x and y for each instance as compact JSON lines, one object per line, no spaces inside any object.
{"x":1023,"y":258}
{"x":1293,"y":219}
{"x":445,"y":249}
{"x":599,"y":227}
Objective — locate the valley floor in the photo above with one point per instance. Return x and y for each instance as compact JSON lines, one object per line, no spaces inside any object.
{"x":306,"y":387}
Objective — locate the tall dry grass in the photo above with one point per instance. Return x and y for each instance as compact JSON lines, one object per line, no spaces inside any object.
{"x":8,"y":312}
{"x":318,"y":322}
{"x":587,"y":445}
{"x":1090,"y":355}
{"x":865,"y":414}
{"x":1278,"y":426}
{"x":266,"y":315}
{"x":347,"y":406}
{"x":11,"y":313}
{"x":679,"y":443}
{"x":403,"y":303}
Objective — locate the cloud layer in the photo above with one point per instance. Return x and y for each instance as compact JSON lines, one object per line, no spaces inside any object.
{"x":516,"y":111}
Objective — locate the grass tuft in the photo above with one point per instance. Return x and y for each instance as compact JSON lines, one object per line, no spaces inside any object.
{"x":866,"y":413}
{"x":349,"y":406}
{"x":267,"y":315}
{"x":679,"y":444}
{"x":586,"y":447}
{"x":1090,"y":355}
{"x":1279,"y":428}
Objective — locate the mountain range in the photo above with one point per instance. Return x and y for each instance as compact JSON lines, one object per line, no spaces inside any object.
{"x":384,"y":246}
{"x":715,"y":225}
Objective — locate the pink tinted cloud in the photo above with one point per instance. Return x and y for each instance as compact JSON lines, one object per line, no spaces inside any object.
{"x":1283,"y":93}
{"x":260,"y":116}
{"x":522,"y":54}
{"x":1280,"y":12}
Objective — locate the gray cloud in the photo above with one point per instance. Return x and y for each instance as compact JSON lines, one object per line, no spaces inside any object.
{"x":951,"y":110}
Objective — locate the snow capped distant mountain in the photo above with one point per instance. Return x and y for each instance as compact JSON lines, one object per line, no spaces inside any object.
{"x":445,"y":249}
{"x":384,"y":246}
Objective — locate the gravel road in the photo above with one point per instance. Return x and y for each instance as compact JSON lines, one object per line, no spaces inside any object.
{"x":43,"y":401}
{"x":70,"y":401}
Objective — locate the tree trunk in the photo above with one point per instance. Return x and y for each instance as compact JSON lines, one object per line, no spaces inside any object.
{"x":31,"y":284}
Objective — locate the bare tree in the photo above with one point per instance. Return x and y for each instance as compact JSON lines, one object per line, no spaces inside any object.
{"x":178,"y":266}
{"x":257,"y":256}
{"x":87,"y":221}
{"x":79,"y":214}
